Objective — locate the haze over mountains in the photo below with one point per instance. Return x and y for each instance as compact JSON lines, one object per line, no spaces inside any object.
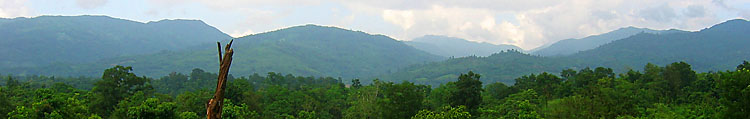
{"x":571,"y":46}
{"x":456,"y":47}
{"x":85,"y":45}
{"x":717,"y":48}
{"x":43,"y":40}
{"x":308,"y":50}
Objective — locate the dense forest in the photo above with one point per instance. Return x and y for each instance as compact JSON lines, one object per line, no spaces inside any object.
{"x":712,"y":49}
{"x":671,"y":91}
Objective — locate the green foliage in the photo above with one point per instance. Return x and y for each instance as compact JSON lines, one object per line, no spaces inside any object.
{"x":544,"y":84}
{"x":439,"y":97}
{"x":47,"y":103}
{"x":5,"y":105}
{"x":468,"y":92}
{"x":356,"y":83}
{"x":363,"y":103}
{"x":232,"y":111}
{"x":194,"y":101}
{"x":525,"y":105}
{"x":500,"y":67}
{"x":187,"y":115}
{"x":734,"y":90}
{"x":116,"y":84}
{"x":744,"y":65}
{"x":400,"y":100}
{"x":446,"y":112}
{"x":153,"y":109}
{"x":672,"y":91}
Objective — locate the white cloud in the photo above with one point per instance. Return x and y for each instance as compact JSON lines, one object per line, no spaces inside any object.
{"x":13,"y":8}
{"x":405,"y":19}
{"x":90,"y":4}
{"x":538,"y":22}
{"x":525,"y":23}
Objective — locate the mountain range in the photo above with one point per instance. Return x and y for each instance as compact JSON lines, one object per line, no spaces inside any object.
{"x":572,"y":46}
{"x":456,"y":47}
{"x":308,"y":50}
{"x":717,"y":48}
{"x":44,"y":40}
{"x":86,"y":45}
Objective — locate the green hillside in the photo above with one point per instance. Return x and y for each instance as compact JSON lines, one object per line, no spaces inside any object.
{"x":500,"y":67}
{"x":712,"y":49}
{"x":717,"y":48}
{"x":40,"y":41}
{"x":306,"y":50}
{"x":572,"y":46}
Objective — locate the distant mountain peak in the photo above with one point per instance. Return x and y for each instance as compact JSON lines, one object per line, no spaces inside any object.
{"x":177,"y":21}
{"x":571,"y":46}
{"x":734,"y":24}
{"x":319,"y":29}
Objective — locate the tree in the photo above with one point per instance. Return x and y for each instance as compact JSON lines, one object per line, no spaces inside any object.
{"x":468,"y":93}
{"x":446,"y":112}
{"x":117,"y":83}
{"x":744,"y":65}
{"x":5,"y":104}
{"x":363,"y":103}
{"x":495,"y":92}
{"x":438,"y":97}
{"x":734,"y":93}
{"x":356,"y":83}
{"x":242,"y":111}
{"x":194,"y":101}
{"x":47,"y":103}
{"x":677,"y":76}
{"x":400,"y":100}
{"x":545,"y":84}
{"x":522,"y":105}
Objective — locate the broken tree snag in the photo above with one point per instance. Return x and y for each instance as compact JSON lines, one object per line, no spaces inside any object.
{"x":218,"y":45}
{"x":215,"y":104}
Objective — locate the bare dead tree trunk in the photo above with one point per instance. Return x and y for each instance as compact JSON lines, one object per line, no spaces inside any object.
{"x":215,"y":104}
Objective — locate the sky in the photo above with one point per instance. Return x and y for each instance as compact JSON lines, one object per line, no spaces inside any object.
{"x":525,"y":23}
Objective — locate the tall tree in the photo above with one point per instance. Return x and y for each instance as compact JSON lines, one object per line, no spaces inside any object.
{"x":469,"y":92}
{"x":678,"y":75}
{"x":117,"y":83}
{"x":734,"y":90}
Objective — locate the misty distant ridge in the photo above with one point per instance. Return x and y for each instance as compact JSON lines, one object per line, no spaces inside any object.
{"x":307,"y":50}
{"x":456,"y":47}
{"x":43,"y":40}
{"x":572,"y":46}
{"x":84,"y":45}
{"x":717,"y":48}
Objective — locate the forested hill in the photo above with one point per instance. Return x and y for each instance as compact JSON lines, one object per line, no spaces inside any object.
{"x":572,"y":46}
{"x":43,"y":40}
{"x":499,"y":67}
{"x":456,"y":47}
{"x":305,"y":50}
{"x":713,"y":49}
{"x":717,"y":48}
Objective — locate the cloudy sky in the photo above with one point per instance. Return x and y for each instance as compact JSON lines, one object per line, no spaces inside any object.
{"x":525,"y":23}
